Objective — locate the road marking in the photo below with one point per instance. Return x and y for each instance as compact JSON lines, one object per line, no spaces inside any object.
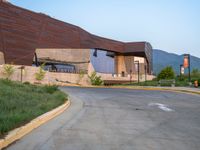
{"x":161,"y":106}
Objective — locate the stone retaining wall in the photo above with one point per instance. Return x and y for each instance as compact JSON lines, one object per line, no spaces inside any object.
{"x":28,"y":75}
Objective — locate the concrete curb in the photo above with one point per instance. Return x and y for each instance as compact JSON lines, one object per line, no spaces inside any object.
{"x":18,"y":133}
{"x":166,"y":89}
{"x":186,"y":91}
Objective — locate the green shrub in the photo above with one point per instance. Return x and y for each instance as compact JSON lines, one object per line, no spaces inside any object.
{"x":182,"y":83}
{"x":166,"y":73}
{"x":41,"y":74}
{"x":180,"y":78}
{"x":51,"y":88}
{"x":195,"y":73}
{"x":27,"y":83}
{"x":8,"y":70}
{"x":166,"y":84}
{"x":94,"y":79}
{"x":148,"y":83}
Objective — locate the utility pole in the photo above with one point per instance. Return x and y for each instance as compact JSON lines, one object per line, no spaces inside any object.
{"x":181,"y":66}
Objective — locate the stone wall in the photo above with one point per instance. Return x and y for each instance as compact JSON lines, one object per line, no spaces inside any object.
{"x":28,"y":75}
{"x":2,"y":60}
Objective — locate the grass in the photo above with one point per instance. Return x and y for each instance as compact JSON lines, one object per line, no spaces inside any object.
{"x":155,"y":83}
{"x":20,"y":103}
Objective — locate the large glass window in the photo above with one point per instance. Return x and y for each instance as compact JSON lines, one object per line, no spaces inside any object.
{"x":102,"y":62}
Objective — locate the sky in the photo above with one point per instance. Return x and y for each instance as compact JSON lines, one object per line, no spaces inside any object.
{"x":170,"y":25}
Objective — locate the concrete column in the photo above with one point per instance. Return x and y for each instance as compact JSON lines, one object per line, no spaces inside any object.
{"x":120,"y":64}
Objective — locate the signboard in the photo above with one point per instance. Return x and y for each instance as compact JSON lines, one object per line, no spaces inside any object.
{"x":186,"y":64}
{"x":182,"y":70}
{"x":186,"y":61}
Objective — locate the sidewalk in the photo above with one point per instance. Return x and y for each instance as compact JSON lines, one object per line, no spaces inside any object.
{"x":187,"y":89}
{"x":180,"y":89}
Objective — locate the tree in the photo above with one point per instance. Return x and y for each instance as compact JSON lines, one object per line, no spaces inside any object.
{"x":95,"y":80}
{"x":166,"y":73}
{"x":8,"y":70}
{"x":41,"y":74}
{"x":195,"y":73}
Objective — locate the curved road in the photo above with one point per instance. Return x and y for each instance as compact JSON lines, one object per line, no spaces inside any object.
{"x":120,"y":119}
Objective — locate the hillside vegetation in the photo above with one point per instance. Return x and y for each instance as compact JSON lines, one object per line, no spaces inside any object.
{"x":162,"y":59}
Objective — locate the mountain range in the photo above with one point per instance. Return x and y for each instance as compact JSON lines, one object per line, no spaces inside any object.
{"x":162,"y":59}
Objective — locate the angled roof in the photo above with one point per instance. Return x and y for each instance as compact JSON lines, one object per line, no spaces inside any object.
{"x":22,"y":31}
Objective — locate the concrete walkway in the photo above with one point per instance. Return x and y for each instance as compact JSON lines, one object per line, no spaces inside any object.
{"x":187,"y":89}
{"x":124,"y":119}
{"x":191,"y":89}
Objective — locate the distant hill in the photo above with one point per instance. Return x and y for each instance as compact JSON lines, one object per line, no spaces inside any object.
{"x":162,"y":59}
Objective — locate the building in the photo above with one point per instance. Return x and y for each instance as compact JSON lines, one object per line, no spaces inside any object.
{"x":29,"y":38}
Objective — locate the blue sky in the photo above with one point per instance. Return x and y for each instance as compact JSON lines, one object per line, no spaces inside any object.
{"x":170,"y":25}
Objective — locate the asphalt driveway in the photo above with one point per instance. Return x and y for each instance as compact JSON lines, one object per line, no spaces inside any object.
{"x":120,"y":119}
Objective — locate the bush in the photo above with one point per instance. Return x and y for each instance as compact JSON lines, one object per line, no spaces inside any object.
{"x":182,"y":83}
{"x":95,"y":80}
{"x":27,"y":83}
{"x":51,"y":89}
{"x":41,"y":74}
{"x":195,"y":73}
{"x":8,"y":70}
{"x":180,"y":78}
{"x":166,"y":73}
{"x":148,"y":83}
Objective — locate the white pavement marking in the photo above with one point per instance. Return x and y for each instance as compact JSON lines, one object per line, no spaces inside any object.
{"x":161,"y":106}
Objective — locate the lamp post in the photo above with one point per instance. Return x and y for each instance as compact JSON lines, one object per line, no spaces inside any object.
{"x":22,"y":70}
{"x":138,"y":70}
{"x":145,"y":69}
{"x":187,"y":64}
{"x":189,"y":68}
{"x":130,"y":75}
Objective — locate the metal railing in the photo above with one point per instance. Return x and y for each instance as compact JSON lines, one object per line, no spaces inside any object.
{"x":64,"y":70}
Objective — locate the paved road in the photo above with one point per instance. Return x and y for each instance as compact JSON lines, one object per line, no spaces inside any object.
{"x":120,"y":119}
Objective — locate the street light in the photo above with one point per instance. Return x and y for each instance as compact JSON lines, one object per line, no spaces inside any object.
{"x":22,"y":70}
{"x":187,"y":64}
{"x":130,"y":75}
{"x":138,"y":69}
{"x":145,"y":69}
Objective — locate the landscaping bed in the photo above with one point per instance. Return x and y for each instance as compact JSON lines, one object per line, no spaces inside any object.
{"x":156,"y":83}
{"x":21,"y":103}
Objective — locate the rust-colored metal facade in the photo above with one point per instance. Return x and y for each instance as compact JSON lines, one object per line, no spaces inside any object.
{"x":22,"y":31}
